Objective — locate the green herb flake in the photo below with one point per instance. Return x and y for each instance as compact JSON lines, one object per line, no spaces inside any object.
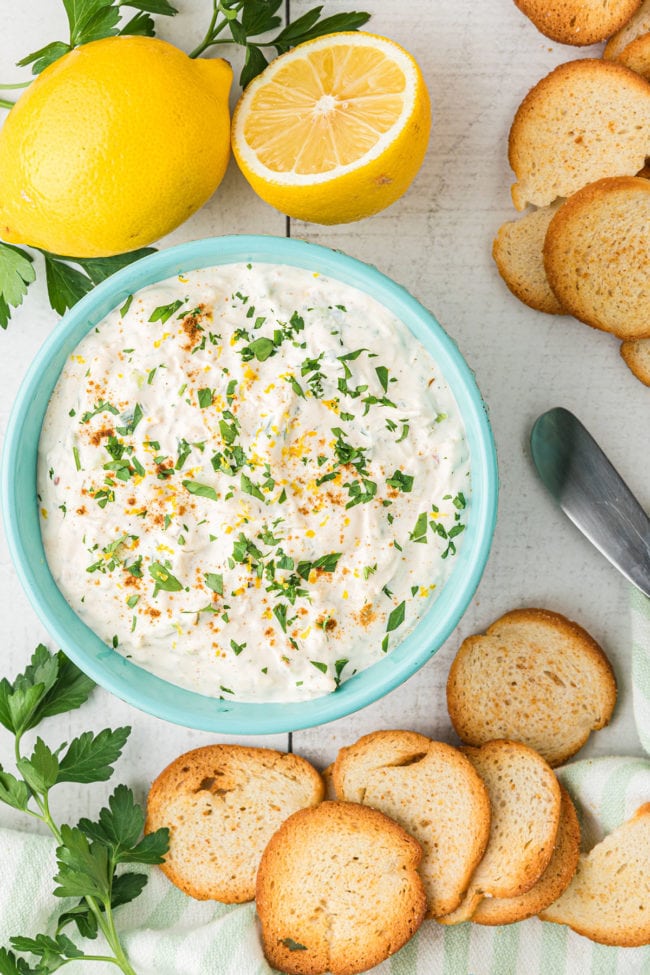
{"x":205,"y":397}
{"x":201,"y":490}
{"x":401,"y":482}
{"x":289,"y":942}
{"x":382,"y":376}
{"x":163,"y":578}
{"x":280,"y":613}
{"x":248,"y":487}
{"x":396,"y":618}
{"x":101,"y":407}
{"x":419,"y":533}
{"x":163,"y":313}
{"x":214,"y":581}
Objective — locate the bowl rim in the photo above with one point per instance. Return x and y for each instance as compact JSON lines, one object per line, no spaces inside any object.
{"x":110,"y":669}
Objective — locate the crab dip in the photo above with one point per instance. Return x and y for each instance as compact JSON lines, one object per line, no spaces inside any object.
{"x":253,"y":481}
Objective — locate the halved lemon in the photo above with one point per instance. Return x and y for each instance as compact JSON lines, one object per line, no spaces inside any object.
{"x":335,"y":129}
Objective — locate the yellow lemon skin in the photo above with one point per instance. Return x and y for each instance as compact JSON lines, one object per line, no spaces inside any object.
{"x":354,"y":194}
{"x":112,"y":146}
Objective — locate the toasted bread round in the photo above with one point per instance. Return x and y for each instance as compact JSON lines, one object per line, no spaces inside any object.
{"x":636,"y":56}
{"x":608,"y":899}
{"x":579,"y":22}
{"x":636,"y":355}
{"x":517,"y":251}
{"x":525,"y":799}
{"x":431,"y":790}
{"x":327,"y":776}
{"x":555,"y":879}
{"x":639,"y":23}
{"x":338,"y":890}
{"x":535,"y":677}
{"x":221,"y":804}
{"x":597,"y":256}
{"x":585,"y":120}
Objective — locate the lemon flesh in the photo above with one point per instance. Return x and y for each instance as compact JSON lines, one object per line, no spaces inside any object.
{"x":112,"y":146}
{"x":334,"y":130}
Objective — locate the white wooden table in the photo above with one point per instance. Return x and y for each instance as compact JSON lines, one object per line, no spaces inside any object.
{"x":479,"y":59}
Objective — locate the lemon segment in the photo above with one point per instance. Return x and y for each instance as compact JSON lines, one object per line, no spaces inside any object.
{"x":113,"y":146}
{"x":334,"y":130}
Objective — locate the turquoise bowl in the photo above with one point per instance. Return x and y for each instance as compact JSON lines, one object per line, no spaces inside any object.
{"x":125,"y":679}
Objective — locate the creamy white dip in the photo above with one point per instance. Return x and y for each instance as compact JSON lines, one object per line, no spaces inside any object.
{"x":253,"y":481}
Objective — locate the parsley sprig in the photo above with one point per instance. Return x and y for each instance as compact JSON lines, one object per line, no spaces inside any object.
{"x":89,"y":853}
{"x":91,"y":20}
{"x":245,"y":21}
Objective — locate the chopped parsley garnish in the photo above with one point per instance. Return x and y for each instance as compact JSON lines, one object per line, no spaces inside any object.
{"x":104,"y":496}
{"x":419,"y":533}
{"x":201,"y":490}
{"x":280,"y":613}
{"x":326,"y":563}
{"x":205,"y":397}
{"x":125,"y":307}
{"x":339,"y":666}
{"x":164,"y":312}
{"x":396,"y":618}
{"x":361,"y":492}
{"x":248,"y":487}
{"x":289,"y":942}
{"x":163,"y":578}
{"x":184,"y":451}
{"x":401,"y":482}
{"x":100,"y":407}
{"x":132,"y":422}
{"x":214,"y":581}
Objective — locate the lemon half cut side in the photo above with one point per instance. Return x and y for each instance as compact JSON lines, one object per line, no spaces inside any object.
{"x":335,"y":129}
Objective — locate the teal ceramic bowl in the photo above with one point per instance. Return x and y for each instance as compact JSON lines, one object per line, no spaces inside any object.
{"x":125,"y":679}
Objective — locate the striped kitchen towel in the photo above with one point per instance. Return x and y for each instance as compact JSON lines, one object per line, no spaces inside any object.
{"x":641,"y":665}
{"x":167,"y":933}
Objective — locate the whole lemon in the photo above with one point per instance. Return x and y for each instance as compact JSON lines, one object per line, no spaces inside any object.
{"x":112,"y":146}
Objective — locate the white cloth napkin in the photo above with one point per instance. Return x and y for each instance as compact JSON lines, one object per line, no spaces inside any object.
{"x":167,"y":933}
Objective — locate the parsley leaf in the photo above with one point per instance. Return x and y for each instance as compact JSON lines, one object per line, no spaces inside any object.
{"x":40,"y":772}
{"x":249,"y":20}
{"x":119,"y":828}
{"x":201,"y":490}
{"x":396,"y":618}
{"x":50,"y":685}
{"x":92,"y":20}
{"x":163,"y":579}
{"x":13,"y":792}
{"x":67,"y":284}
{"x":214,"y":581}
{"x":90,"y":758}
{"x":16,"y":275}
{"x":401,"y":482}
